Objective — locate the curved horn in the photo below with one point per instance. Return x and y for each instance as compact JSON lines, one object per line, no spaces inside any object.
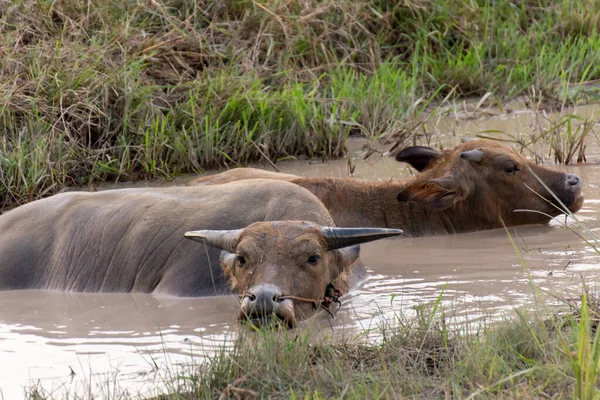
{"x":472,"y":155}
{"x":337,"y":238}
{"x":224,"y":240}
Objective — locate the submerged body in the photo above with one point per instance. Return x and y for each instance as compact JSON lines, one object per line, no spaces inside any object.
{"x":132,"y":240}
{"x":477,"y":185}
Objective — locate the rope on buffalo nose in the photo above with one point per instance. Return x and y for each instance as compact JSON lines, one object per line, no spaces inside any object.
{"x":331,"y":296}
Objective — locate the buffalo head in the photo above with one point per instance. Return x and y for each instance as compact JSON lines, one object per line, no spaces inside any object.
{"x":482,"y":180}
{"x":280,"y":268}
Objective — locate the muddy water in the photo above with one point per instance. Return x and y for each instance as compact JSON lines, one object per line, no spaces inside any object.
{"x":116,"y":342}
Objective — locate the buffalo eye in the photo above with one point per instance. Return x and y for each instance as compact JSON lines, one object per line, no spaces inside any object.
{"x":313,"y":260}
{"x":241,"y":260}
{"x":511,"y":170}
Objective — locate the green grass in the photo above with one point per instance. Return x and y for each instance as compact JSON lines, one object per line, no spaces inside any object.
{"x":105,"y":90}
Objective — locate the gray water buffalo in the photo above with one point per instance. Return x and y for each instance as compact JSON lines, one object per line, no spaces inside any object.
{"x":477,"y":185}
{"x":283,"y":268}
{"x":132,"y":240}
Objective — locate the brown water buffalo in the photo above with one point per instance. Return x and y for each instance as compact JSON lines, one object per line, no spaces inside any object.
{"x":132,"y":240}
{"x":473,"y":186}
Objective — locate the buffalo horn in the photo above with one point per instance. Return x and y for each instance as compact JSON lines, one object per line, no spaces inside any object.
{"x":224,"y":240}
{"x":472,"y":155}
{"x":337,"y":238}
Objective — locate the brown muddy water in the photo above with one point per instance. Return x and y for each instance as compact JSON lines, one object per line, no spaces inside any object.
{"x":107,"y":343}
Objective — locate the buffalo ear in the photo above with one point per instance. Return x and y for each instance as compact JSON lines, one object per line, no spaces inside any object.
{"x":227,"y":260}
{"x":438,"y":193}
{"x":228,"y":268}
{"x":418,"y":157}
{"x":343,"y":258}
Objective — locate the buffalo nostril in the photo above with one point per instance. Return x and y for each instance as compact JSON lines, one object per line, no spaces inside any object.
{"x":263,"y":299}
{"x":572,"y":181}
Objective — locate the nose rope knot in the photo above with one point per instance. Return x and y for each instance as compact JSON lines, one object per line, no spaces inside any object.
{"x":331,"y":296}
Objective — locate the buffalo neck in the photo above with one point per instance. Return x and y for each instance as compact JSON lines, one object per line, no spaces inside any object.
{"x":353,"y":203}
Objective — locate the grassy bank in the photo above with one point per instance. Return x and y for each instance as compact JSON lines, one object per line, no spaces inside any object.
{"x":101,"y":89}
{"x":527,"y":357}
